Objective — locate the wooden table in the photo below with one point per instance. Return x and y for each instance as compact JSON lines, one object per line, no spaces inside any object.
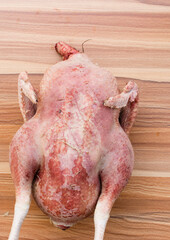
{"x":131,"y":38}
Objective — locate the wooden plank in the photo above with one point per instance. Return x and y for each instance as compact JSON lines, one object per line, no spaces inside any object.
{"x":150,"y":6}
{"x":132,"y":40}
{"x":129,"y":44}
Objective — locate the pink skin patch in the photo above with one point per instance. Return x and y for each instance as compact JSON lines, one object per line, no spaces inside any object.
{"x":65,"y":50}
{"x":24,"y":160}
{"x":67,"y":195}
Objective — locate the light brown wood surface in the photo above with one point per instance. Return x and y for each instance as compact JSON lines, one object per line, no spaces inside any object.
{"x":131,"y":38}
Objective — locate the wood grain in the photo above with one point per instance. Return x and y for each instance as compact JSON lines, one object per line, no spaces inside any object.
{"x":131,"y":39}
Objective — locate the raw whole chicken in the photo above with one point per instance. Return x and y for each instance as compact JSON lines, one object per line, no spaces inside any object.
{"x":73,"y":152}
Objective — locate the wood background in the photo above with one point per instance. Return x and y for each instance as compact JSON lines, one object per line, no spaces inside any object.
{"x":131,"y":38}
